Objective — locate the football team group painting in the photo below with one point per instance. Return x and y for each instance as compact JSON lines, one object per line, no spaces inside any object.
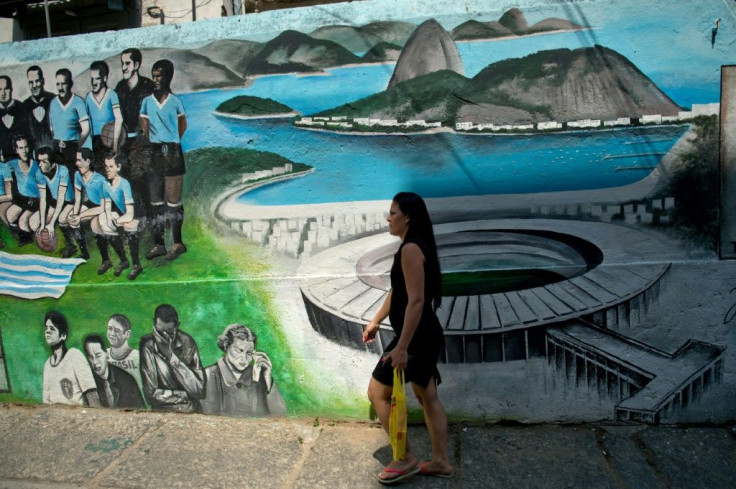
{"x":166,"y":373}
{"x":110,"y":164}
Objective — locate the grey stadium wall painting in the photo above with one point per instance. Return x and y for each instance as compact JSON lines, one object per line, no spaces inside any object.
{"x":194,"y":215}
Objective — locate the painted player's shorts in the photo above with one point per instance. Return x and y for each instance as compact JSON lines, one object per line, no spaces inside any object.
{"x":167,"y":159}
{"x":29,"y":204}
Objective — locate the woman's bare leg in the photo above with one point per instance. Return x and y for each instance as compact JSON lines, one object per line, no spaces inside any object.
{"x":436,"y":420}
{"x":380,"y":396}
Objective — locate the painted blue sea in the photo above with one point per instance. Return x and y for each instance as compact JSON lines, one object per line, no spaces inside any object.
{"x":353,"y":168}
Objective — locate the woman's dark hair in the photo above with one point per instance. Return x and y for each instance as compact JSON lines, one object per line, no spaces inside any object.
{"x":420,"y":228}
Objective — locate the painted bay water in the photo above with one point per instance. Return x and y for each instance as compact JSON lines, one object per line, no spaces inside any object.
{"x":354,"y":168}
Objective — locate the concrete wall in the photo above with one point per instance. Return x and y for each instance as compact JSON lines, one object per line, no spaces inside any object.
{"x":582,"y":278}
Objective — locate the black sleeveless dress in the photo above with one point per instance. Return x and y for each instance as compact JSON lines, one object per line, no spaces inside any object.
{"x":426,"y":345}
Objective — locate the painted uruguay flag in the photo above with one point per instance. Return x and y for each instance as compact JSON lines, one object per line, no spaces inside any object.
{"x":35,"y":276}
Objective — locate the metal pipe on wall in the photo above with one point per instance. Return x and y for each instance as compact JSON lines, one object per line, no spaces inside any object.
{"x":48,"y":20}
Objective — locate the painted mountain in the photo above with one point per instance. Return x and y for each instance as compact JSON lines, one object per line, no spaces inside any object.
{"x":559,"y":84}
{"x":362,"y":39}
{"x":293,"y":51}
{"x":512,"y":23}
{"x":430,"y":48}
{"x":235,"y":54}
{"x":382,"y":52}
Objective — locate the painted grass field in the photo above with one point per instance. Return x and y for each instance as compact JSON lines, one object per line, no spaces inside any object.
{"x":219,"y":281}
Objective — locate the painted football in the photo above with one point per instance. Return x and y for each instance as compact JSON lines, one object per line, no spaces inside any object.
{"x":108,"y":135}
{"x":46,"y":241}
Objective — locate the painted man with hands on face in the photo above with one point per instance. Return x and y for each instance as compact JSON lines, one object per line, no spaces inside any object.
{"x":171,"y":370}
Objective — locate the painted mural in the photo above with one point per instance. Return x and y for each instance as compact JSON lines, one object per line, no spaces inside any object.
{"x":199,"y":226}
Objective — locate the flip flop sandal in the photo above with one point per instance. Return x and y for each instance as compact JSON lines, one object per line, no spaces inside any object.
{"x":401,"y":475}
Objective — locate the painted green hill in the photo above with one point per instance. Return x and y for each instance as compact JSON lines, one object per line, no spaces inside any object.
{"x":595,"y":83}
{"x":249,"y":106}
{"x":429,"y":97}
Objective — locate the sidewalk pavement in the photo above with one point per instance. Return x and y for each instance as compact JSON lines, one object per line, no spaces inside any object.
{"x":63,"y":448}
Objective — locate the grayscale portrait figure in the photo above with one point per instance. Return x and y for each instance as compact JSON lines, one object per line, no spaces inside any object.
{"x":241,"y":382}
{"x":120,"y":354}
{"x":67,"y":379}
{"x":12,"y":119}
{"x":115,"y":387}
{"x":172,"y":374}
{"x":37,"y":108}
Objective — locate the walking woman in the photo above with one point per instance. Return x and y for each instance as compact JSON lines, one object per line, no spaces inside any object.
{"x":415,"y":295}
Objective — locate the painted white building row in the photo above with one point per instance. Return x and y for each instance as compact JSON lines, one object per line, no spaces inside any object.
{"x":697,"y":110}
{"x":346,"y":123}
{"x":273,"y":172}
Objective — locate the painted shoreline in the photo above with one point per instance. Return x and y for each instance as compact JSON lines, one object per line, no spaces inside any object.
{"x":228,"y":199}
{"x":434,"y":130}
{"x":283,"y":115}
{"x":229,"y":209}
{"x":447,"y":129}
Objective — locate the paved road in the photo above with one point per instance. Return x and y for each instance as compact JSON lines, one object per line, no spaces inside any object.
{"x":63,"y":448}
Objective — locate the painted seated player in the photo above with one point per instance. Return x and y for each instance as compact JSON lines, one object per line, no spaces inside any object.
{"x":24,"y":192}
{"x":120,"y":215}
{"x":88,"y":191}
{"x":55,"y":199}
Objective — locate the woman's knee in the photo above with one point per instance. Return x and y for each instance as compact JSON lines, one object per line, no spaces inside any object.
{"x":378,"y":392}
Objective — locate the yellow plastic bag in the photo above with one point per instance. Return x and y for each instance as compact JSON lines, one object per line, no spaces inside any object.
{"x":397,"y":418}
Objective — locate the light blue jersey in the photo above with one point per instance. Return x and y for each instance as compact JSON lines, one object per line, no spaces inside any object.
{"x":163,"y":119}
{"x":25,"y":182}
{"x":65,"y":119}
{"x":101,"y":113}
{"x":120,"y":195}
{"x":59,"y":178}
{"x":6,"y":175}
{"x":93,"y":189}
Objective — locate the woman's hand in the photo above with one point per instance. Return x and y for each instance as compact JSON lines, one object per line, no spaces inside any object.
{"x":262,"y":366}
{"x":399,"y":358}
{"x":369,"y":333}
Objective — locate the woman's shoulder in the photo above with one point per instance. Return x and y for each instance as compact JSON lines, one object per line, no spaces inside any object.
{"x":414,"y":242}
{"x":412,"y":248}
